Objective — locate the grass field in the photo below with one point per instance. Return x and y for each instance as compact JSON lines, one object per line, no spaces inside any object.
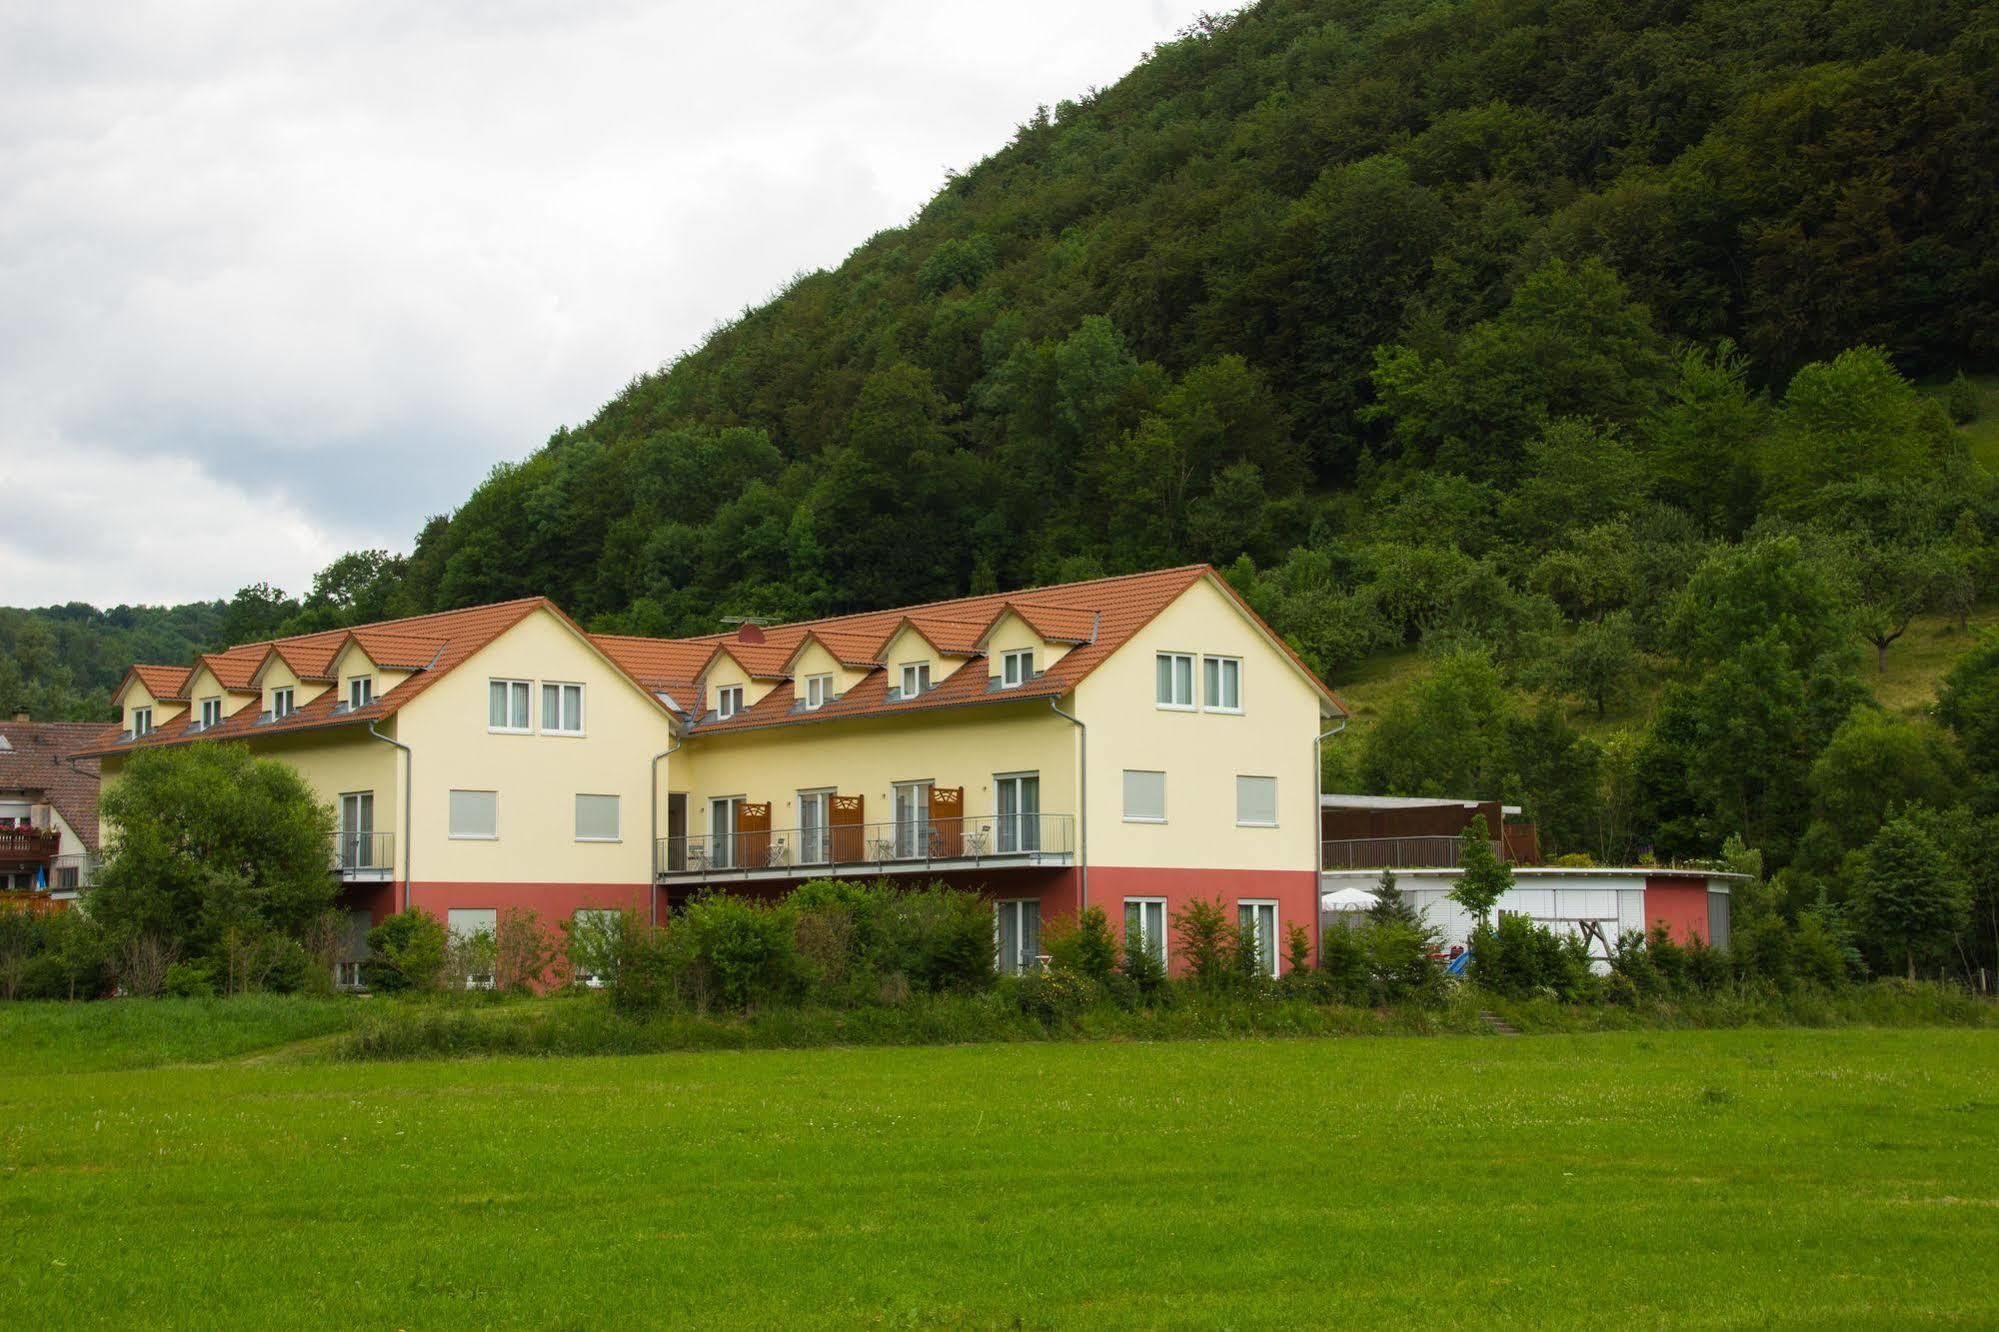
{"x":1838,"y":1177}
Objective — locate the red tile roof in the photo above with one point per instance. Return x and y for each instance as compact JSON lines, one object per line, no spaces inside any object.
{"x":168,"y":683}
{"x":36,"y":760}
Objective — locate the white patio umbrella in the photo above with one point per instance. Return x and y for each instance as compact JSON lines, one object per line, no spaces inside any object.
{"x":1346,"y":899}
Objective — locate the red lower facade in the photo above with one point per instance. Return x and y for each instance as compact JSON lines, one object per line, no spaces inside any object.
{"x":1059,"y":892}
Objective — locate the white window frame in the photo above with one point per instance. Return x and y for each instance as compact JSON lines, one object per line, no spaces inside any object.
{"x":211,"y":712}
{"x":1165,"y":703}
{"x":142,"y":722}
{"x":916,"y":674}
{"x":561,"y":688}
{"x":360,"y":692}
{"x":1016,"y":667}
{"x":1275,"y":961}
{"x":283,"y":703}
{"x":1163,"y":952}
{"x":1124,"y":794}
{"x":728,"y":701}
{"x":1018,"y":833}
{"x":818,"y":691}
{"x":1018,"y":966}
{"x":1211,"y":682}
{"x":508,"y":683}
{"x":455,"y":836}
{"x":617,"y":810}
{"x":821,"y":799}
{"x":472,"y":980}
{"x":1240,"y":821}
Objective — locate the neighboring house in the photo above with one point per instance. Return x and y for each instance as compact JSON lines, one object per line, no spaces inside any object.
{"x":1420,"y":840}
{"x":48,"y":806}
{"x":1129,"y":743}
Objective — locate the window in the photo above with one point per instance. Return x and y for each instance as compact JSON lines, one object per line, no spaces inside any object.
{"x":596,"y":818}
{"x":1256,"y":801}
{"x":1144,"y":796}
{"x":475,"y":815}
{"x":728,"y":701}
{"x":1174,"y":680}
{"x":211,"y":712}
{"x":818,"y":691}
{"x":1145,"y":925}
{"x":813,"y":843}
{"x":1222,"y":684}
{"x":597,"y":930}
{"x":281,"y":704}
{"x":1016,"y":668}
{"x":507,"y":705}
{"x":357,"y":831}
{"x":562,"y":709}
{"x":142,"y":722}
{"x":360,"y":692}
{"x":1017,"y":935}
{"x":1258,"y":920}
{"x":915,"y":678}
{"x":472,"y":931}
{"x":1017,"y":801}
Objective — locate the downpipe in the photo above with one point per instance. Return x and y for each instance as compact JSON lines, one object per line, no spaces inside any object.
{"x":1082,"y":807}
{"x":409,"y":783}
{"x":652,"y":843}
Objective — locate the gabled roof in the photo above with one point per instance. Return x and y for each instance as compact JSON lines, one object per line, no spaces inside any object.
{"x":233,"y":670}
{"x":393,"y":651}
{"x":950,"y":638}
{"x":166,"y":683}
{"x":458,"y":633}
{"x":669,"y":666}
{"x":760,"y":661}
{"x":860,"y":651}
{"x":36,"y":758}
{"x":306,"y":661}
{"x":1055,"y":624}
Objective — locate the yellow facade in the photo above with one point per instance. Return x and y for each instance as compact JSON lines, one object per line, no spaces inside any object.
{"x":135,"y":696}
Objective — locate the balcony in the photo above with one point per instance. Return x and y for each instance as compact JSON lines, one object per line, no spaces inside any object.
{"x":907,"y":846}
{"x":29,"y":846}
{"x":72,"y":873}
{"x":1350,"y":853}
{"x":364,"y":857}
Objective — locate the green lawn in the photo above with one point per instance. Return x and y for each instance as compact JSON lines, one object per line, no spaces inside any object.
{"x":1844,"y":1177}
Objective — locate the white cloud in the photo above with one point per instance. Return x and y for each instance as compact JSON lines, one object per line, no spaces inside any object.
{"x":279,"y":281}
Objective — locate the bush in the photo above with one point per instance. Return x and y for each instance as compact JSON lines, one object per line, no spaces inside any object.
{"x":736,"y":951}
{"x":642,"y":982}
{"x":1053,"y":997}
{"x":406,"y":952}
{"x":1142,"y":967}
{"x":289,"y":969}
{"x":1520,"y":958}
{"x":1399,"y":962}
{"x":1206,"y":939}
{"x":188,"y":980}
{"x":852,"y":937}
{"x":593,"y":944}
{"x":523,"y":951}
{"x":76,"y":955}
{"x":1082,"y":944}
{"x":1343,"y":961}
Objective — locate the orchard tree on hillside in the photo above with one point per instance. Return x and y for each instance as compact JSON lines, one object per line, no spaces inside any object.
{"x":208,"y":842}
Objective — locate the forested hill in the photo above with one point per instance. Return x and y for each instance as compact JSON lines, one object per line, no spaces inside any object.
{"x":1295,"y":256}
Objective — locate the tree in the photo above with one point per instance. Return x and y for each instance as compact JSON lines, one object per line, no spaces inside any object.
{"x":1484,"y":878}
{"x":1851,"y":417}
{"x":209,"y":841}
{"x":1964,"y":401}
{"x":1891,"y":584}
{"x":1968,"y":703}
{"x":1442,"y":737}
{"x":1701,"y":443}
{"x":1875,"y":763}
{"x":1600,"y":663}
{"x":256,"y":612}
{"x":1911,"y":905}
{"x":407,"y":952}
{"x":1578,"y":474}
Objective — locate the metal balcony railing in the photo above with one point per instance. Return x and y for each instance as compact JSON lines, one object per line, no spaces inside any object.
{"x":364,"y":855}
{"x":1395,"y":853}
{"x":73,"y":872}
{"x":900,"y":845}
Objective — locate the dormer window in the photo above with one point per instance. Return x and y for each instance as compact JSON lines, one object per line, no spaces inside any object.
{"x":211,"y":713}
{"x":818,"y":691}
{"x":728,"y":701}
{"x":142,"y":722}
{"x":1016,"y":668}
{"x":281,"y":704}
{"x":360,"y":692}
{"x":915,"y":679}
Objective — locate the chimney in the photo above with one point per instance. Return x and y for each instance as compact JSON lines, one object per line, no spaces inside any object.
{"x":20,"y":714}
{"x":747,"y":632}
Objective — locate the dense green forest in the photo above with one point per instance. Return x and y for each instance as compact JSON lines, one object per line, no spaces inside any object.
{"x":1594,"y":350}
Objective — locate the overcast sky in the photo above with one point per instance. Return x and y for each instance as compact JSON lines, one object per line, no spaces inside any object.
{"x":279,"y":281}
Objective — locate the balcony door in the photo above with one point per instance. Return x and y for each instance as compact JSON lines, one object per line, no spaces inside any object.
{"x":1017,"y":799}
{"x":357,"y":830}
{"x":912,"y":820}
{"x":722,"y":813}
{"x":1017,"y":932}
{"x":814,"y":821}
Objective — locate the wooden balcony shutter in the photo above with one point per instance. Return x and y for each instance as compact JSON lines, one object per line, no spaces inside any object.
{"x":753,"y":834}
{"x":844,"y":817}
{"x":947,"y":821}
